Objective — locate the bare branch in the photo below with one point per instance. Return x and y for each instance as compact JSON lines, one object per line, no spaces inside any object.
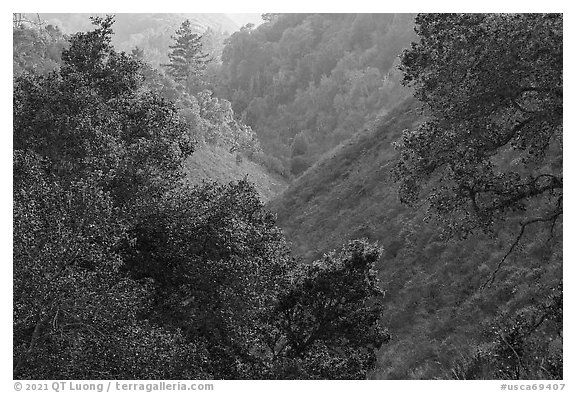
{"x":513,"y":350}
{"x":523,"y":226}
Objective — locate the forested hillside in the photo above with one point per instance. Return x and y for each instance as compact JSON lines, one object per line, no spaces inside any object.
{"x":305,"y":83}
{"x":321,"y":196}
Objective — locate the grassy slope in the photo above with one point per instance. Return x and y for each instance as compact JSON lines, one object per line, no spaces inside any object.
{"x":435,"y":310}
{"x":347,"y":193}
{"x":218,"y":164}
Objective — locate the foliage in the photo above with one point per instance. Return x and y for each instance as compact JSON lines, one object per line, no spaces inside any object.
{"x":322,"y":76}
{"x":187,"y":59}
{"x":493,"y":143}
{"x":210,"y":119}
{"x":36,"y":49}
{"x":527,"y":345}
{"x":86,"y":142}
{"x":91,"y":117}
{"x":489,"y":157}
{"x":75,"y":316}
{"x":220,"y":126}
{"x":223,"y":276}
{"x":215,"y":259}
{"x":328,"y":318}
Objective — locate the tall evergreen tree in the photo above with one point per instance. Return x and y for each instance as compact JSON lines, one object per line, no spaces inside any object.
{"x":187,"y":59}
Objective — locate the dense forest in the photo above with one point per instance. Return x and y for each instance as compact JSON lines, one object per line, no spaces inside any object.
{"x":321,"y":196}
{"x":305,"y":83}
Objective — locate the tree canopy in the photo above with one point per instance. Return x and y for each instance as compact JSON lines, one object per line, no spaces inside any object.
{"x":92,"y":117}
{"x":329,"y":316}
{"x":492,"y":144}
{"x":489,"y":157}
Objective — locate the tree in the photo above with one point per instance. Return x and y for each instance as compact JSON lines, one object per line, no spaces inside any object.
{"x":223,"y":277}
{"x":36,"y":49}
{"x":327,"y":318}
{"x":216,"y":260}
{"x":492,"y":142}
{"x":187,"y":59}
{"x":221,"y":128}
{"x":75,"y":314}
{"x":90,"y":150}
{"x":92,"y":117}
{"x":488,"y":157}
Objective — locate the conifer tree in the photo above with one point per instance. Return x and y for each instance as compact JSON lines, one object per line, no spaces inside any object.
{"x":187,"y":59}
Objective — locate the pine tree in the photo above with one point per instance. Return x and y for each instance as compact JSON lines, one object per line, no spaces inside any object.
{"x":187,"y":59}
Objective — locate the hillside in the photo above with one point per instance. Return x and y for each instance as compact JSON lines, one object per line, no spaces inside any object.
{"x":215,"y":163}
{"x":306,"y":82}
{"x":349,"y":180}
{"x":435,"y":311}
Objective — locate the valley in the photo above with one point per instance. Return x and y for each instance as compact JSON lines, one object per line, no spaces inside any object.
{"x":304,"y":196}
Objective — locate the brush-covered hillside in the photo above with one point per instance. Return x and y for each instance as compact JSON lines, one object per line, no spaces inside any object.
{"x":348,"y":193}
{"x":216,"y":163}
{"x":438,"y":314}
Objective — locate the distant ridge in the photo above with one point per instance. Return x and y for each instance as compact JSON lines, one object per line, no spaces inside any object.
{"x":245,"y":18}
{"x":130,"y":23}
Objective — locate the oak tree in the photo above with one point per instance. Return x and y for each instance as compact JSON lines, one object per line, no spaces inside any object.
{"x":328,"y":317}
{"x":92,"y":116}
{"x":492,"y":141}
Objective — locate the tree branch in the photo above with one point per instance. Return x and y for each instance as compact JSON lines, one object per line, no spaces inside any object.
{"x":523,"y":226}
{"x":515,"y":353}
